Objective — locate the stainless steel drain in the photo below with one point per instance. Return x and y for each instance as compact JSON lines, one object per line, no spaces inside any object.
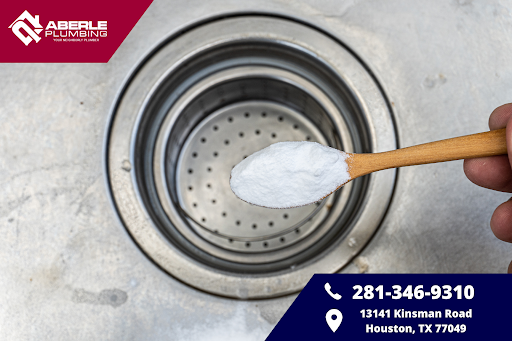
{"x":219,"y":142}
{"x":214,"y":94}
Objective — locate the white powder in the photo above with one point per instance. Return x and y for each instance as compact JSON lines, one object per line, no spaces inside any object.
{"x":289,"y":174}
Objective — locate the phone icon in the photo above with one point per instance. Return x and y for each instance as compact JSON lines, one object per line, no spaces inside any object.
{"x":327,"y":287}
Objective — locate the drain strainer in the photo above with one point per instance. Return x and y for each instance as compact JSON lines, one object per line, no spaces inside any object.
{"x":214,"y":94}
{"x":218,"y":143}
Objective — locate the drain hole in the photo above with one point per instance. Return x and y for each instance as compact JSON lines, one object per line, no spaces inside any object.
{"x":214,"y":201}
{"x":308,"y":138}
{"x":203,"y":140}
{"x":230,"y":119}
{"x":226,"y":142}
{"x":203,"y":219}
{"x":230,"y":240}
{"x":273,"y":135}
{"x":263,"y":114}
{"x":247,"y":115}
{"x":257,"y":132}
{"x":215,"y":128}
{"x":248,"y":244}
{"x":280,"y":118}
{"x":295,"y":126}
{"x":270,"y":223}
{"x":224,"y":214}
{"x":245,"y":156}
{"x":194,"y":204}
{"x":254,"y":226}
{"x":215,"y":154}
{"x":209,"y":185}
{"x":190,"y":171}
{"x":190,"y":188}
{"x":285,"y":216}
{"x":194,"y":154}
{"x":238,"y":222}
{"x":282,"y":240}
{"x":241,"y":134}
{"x":265,"y":244}
{"x":297,"y":231}
{"x":209,"y":169}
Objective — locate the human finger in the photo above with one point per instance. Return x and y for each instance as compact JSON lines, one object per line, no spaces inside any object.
{"x":501,"y":221}
{"x":492,"y":172}
{"x":500,"y":116}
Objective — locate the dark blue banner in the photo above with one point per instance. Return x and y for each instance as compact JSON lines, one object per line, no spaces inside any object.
{"x":404,"y":307}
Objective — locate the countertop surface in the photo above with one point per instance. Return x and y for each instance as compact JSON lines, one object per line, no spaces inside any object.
{"x":70,"y":270}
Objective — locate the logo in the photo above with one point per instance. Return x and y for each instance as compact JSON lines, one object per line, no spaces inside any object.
{"x":32,"y":34}
{"x":59,"y":31}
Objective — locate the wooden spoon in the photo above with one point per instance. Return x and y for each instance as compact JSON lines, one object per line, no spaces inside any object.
{"x":465,"y":147}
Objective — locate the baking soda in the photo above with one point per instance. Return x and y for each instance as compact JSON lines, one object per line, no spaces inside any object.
{"x":289,"y":174}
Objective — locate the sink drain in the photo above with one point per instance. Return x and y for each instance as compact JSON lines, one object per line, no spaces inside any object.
{"x":215,"y":94}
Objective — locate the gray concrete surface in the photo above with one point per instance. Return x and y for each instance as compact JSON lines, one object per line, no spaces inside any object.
{"x":70,"y":271}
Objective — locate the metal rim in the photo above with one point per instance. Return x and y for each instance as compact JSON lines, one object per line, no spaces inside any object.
{"x":139,"y":221}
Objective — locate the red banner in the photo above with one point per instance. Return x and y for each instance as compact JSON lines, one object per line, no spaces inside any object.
{"x":66,"y":31}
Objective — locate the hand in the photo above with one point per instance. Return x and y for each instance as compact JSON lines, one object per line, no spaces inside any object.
{"x":495,"y":173}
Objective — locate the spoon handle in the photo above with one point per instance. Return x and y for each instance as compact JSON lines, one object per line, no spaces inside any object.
{"x":465,"y":147}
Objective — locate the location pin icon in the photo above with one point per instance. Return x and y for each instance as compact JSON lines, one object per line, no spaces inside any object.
{"x":334,"y":318}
